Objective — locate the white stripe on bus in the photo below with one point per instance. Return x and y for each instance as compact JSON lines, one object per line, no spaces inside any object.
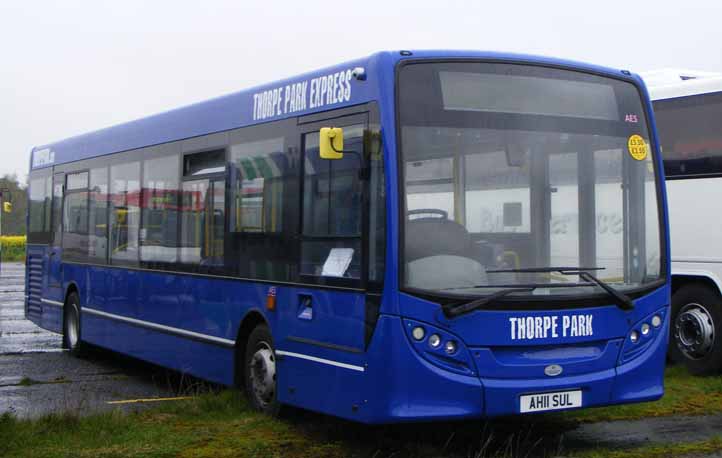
{"x":160,"y":327}
{"x":49,"y":302}
{"x":321,"y":360}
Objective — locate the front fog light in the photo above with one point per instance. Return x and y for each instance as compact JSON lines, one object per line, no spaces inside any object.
{"x":434,"y":340}
{"x":450,"y":347}
{"x":634,"y":336}
{"x":645,"y":329}
{"x":656,"y":321}
{"x":418,"y":333}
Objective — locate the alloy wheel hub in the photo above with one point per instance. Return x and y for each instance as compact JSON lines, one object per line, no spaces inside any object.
{"x":694,"y":331}
{"x":263,"y":375}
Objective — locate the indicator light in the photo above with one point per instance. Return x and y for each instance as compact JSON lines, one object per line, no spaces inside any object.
{"x":634,"y":336}
{"x":450,"y":347}
{"x":434,"y":340}
{"x":645,"y":329}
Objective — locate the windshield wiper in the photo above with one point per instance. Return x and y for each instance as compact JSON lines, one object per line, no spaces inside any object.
{"x":622,"y":300}
{"x":455,"y":310}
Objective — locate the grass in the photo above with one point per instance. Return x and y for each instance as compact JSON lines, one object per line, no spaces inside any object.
{"x":12,"y":248}
{"x":690,"y":449}
{"x":221,"y":425}
{"x":684,"y":395}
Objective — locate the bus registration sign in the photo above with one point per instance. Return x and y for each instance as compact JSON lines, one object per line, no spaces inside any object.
{"x":550,"y":401}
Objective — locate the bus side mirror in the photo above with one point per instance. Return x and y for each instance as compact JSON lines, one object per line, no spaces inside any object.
{"x":331,"y":143}
{"x":7,"y":207}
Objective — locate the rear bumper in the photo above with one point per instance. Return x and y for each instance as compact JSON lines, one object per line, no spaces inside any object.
{"x":409,"y":388}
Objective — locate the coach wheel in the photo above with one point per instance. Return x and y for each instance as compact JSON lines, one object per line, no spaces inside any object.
{"x":71,"y":324}
{"x":695,"y":334}
{"x":260,"y":371}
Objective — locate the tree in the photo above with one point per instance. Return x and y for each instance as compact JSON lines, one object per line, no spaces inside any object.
{"x":14,"y":223}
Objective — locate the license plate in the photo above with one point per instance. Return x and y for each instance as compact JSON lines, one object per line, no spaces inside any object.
{"x":550,"y":401}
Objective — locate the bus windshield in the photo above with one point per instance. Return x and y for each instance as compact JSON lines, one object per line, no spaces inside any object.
{"x":510,"y":169}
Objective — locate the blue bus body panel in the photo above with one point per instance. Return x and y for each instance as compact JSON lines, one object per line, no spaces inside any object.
{"x":190,"y":322}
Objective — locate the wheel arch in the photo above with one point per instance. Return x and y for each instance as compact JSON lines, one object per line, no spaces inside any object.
{"x":253,"y":318}
{"x":71,"y":288}
{"x":709,"y":279}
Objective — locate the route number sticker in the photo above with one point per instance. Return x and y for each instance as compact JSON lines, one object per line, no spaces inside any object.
{"x":637,"y":147}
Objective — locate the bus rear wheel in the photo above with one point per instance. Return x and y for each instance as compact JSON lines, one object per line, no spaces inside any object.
{"x":696,"y":333}
{"x":260,"y":371}
{"x":71,"y":325}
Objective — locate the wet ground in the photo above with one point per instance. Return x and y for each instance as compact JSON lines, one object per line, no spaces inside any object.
{"x":37,"y":377}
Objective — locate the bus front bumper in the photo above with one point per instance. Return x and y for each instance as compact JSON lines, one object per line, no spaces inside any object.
{"x":410,"y":388}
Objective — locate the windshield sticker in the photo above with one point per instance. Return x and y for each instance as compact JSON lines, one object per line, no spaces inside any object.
{"x":637,"y":147}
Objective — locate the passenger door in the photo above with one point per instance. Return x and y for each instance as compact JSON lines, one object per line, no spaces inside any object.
{"x":333,"y":257}
{"x":53,"y":296}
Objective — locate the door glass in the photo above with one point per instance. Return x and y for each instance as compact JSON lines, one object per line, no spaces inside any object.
{"x":332,"y":203}
{"x":57,"y":209}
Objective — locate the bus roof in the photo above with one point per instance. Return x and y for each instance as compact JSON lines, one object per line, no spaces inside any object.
{"x":299,"y":95}
{"x":674,"y":83}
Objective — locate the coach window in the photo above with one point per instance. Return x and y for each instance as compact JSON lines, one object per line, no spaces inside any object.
{"x":690,"y":132}
{"x":259,"y":238}
{"x":75,"y":217}
{"x":124,"y":212}
{"x":159,"y":231}
{"x":40,"y":194}
{"x":203,"y":210}
{"x":332,"y":198}
{"x":98,"y":215}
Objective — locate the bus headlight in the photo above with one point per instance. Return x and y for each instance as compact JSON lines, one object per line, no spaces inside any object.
{"x":439,"y":347}
{"x":642,"y":335}
{"x":634,"y":336}
{"x":418,"y":333}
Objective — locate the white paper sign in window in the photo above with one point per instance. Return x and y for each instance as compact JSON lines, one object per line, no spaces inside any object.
{"x":337,"y":262}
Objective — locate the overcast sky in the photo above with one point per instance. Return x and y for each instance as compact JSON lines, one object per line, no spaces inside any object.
{"x":68,"y":67}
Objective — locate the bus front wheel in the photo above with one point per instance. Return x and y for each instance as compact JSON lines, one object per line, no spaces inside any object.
{"x":696,"y":329}
{"x":71,"y":324}
{"x":260,"y":371}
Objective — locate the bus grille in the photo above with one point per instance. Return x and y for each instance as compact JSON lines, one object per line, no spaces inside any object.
{"x":35,"y":285}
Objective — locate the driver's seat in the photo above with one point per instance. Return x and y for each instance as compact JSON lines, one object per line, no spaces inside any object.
{"x":440,"y":253}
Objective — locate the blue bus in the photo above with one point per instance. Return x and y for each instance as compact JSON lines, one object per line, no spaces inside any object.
{"x":415,"y":235}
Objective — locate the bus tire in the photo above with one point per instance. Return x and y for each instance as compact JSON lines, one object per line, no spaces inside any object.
{"x":696,"y":329}
{"x":71,"y":325}
{"x":260,"y":371}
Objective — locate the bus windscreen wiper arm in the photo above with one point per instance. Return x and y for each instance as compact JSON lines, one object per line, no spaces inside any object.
{"x":622,"y":300}
{"x":460,"y":309}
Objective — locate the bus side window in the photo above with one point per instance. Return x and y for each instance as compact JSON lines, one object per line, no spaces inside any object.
{"x":258,"y":228}
{"x":40,"y":195}
{"x":98,"y":215}
{"x":202,"y":206}
{"x":125,"y":212}
{"x":159,"y":234}
{"x":75,"y":217}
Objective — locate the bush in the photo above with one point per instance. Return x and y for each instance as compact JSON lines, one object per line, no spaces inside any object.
{"x":13,"y":248}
